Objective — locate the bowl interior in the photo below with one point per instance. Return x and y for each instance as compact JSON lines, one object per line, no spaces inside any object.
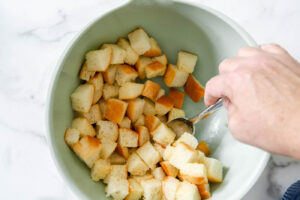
{"x":175,"y":27}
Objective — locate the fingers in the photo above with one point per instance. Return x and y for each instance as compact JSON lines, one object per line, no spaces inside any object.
{"x":229,"y":65}
{"x":249,"y":51}
{"x":273,"y":48}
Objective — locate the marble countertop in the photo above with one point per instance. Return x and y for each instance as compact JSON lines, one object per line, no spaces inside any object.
{"x":33,"y":35}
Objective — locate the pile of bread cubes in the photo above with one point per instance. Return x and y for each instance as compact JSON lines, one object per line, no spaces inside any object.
{"x":120,"y":131}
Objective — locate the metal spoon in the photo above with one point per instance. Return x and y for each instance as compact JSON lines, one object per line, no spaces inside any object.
{"x":181,"y":125}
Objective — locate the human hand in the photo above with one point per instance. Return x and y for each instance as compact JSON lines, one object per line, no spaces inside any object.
{"x":261,"y":91}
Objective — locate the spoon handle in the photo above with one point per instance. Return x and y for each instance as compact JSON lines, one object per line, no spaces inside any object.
{"x":211,"y":109}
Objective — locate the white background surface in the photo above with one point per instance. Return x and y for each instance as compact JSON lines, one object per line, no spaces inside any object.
{"x":34,"y":33}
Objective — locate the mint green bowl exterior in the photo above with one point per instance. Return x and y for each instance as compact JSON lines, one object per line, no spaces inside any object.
{"x":175,"y":26}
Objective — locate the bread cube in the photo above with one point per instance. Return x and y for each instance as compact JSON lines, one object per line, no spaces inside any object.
{"x":107,"y":129}
{"x":158,"y":173}
{"x":107,"y":148}
{"x":161,"y":93}
{"x":102,"y":104}
{"x":110,"y":74}
{"x":186,"y":61}
{"x":186,"y":191}
{"x":151,"y":90}
{"x":152,"y":189}
{"x":162,"y":59}
{"x":136,"y":166}
{"x":174,"y":77}
{"x":159,"y":148}
{"x":128,"y":137}
{"x":125,"y":123}
{"x":97,"y":81}
{"x":188,"y":139}
{"x":202,"y":146}
{"x":177,"y":97}
{"x":214,"y":169}
{"x":169,"y":150}
{"x":163,"y":135}
{"x":122,"y":151}
{"x":125,"y":74}
{"x":154,"y":49}
{"x":163,"y":118}
{"x":130,"y":90}
{"x":204,"y":191}
{"x":154,"y":69}
{"x":117,"y":172}
{"x":151,"y":122}
{"x":84,"y":127}
{"x":140,"y":121}
{"x":72,"y":136}
{"x":100,"y":169}
{"x":149,"y":155}
{"x":143,"y":133}
{"x":194,"y":89}
{"x":169,"y":169}
{"x":116,"y":159}
{"x":140,"y":66}
{"x":135,"y":190}
{"x":135,"y":108}
{"x":110,"y":91}
{"x":139,"y":41}
{"x":94,"y":115}
{"x":175,"y":113}
{"x":200,"y":157}
{"x":131,"y":56}
{"x":118,"y":54}
{"x":82,"y":98}
{"x":169,"y":187}
{"x":183,"y":154}
{"x":149,"y":107}
{"x":99,"y":60}
{"x":145,"y":177}
{"x":194,"y":173}
{"x":88,"y":150}
{"x":115,"y":110}
{"x":163,"y":105}
{"x":118,"y":189}
{"x":85,"y":74}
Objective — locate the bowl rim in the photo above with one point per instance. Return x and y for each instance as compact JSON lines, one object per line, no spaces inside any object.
{"x":53,"y":81}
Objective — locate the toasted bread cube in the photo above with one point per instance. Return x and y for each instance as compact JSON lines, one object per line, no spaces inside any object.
{"x":149,"y":107}
{"x":107,"y":129}
{"x":128,"y":137}
{"x":135,"y":190}
{"x":110,"y":91}
{"x":94,"y":115}
{"x":88,"y":149}
{"x":158,"y":173}
{"x":159,"y":148}
{"x":122,"y":151}
{"x":194,"y":89}
{"x":169,"y":150}
{"x":125,"y":123}
{"x":116,"y":159}
{"x":131,"y":56}
{"x":139,"y":41}
{"x":183,"y":154}
{"x":99,"y":60}
{"x":130,"y":90}
{"x":135,"y":108}
{"x":163,"y":135}
{"x":125,"y":74}
{"x":194,"y":173}
{"x":162,"y":59}
{"x":115,"y":110}
{"x":163,"y":118}
{"x":102,"y":104}
{"x":82,"y":98}
{"x":136,"y":166}
{"x":155,"y":68}
{"x":72,"y":136}
{"x":97,"y":81}
{"x":174,"y":77}
{"x":84,"y":127}
{"x":163,"y":105}
{"x":117,"y":188}
{"x":188,"y":139}
{"x":117,"y":172}
{"x":110,"y":74}
{"x":140,"y":66}
{"x":186,"y":191}
{"x":143,"y":133}
{"x":154,"y":49}
{"x":203,"y":147}
{"x":214,"y":169}
{"x":149,"y":155}
{"x":107,"y":148}
{"x":175,"y":113}
{"x":151,"y":90}
{"x":100,"y":169}
{"x":186,"y":61}
{"x":169,"y":169}
{"x":85,"y":74}
{"x":118,"y":53}
{"x":161,"y":93}
{"x":145,"y":177}
{"x":140,"y":121}
{"x":169,"y":187}
{"x":204,"y":191}
{"x":200,"y":156}
{"x":177,"y":97}
{"x":152,"y":189}
{"x":152,"y":122}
